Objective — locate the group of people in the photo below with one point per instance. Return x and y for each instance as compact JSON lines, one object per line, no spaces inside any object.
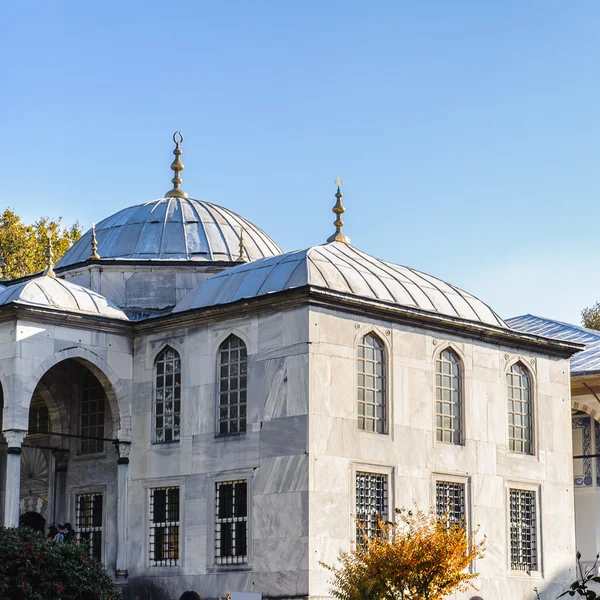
{"x":63,"y":533}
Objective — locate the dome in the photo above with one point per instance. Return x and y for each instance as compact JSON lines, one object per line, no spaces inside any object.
{"x":49,"y":292}
{"x":174,"y":229}
{"x":342,"y":268}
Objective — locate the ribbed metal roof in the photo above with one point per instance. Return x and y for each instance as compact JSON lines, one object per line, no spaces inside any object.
{"x":174,"y":229}
{"x":342,"y":268}
{"x":49,"y":292}
{"x":583,"y":362}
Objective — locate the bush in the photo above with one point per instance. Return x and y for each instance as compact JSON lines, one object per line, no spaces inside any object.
{"x":32,"y":568}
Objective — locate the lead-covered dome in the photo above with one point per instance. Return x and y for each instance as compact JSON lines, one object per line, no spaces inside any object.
{"x":174,"y":229}
{"x":342,"y":268}
{"x":49,"y":292}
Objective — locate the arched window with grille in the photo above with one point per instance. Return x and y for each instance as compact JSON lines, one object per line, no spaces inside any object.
{"x":448,"y":398}
{"x":167,"y":396}
{"x":520,"y":409}
{"x":371,"y":385}
{"x":233,"y":386}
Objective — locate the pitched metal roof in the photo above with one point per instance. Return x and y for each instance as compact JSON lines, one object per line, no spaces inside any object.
{"x":173,"y":229}
{"x":49,"y":292}
{"x":586,"y":361}
{"x":342,"y":268}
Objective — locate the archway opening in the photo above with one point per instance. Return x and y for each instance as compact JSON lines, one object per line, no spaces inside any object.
{"x":34,"y":521}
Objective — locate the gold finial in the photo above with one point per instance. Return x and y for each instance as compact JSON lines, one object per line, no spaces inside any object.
{"x":242,"y":257}
{"x":3,"y":276}
{"x":49,"y":271}
{"x":177,"y":167}
{"x":338,"y":210}
{"x":94,"y":255}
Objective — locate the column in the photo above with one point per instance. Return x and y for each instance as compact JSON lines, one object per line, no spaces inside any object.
{"x":122,"y":473}
{"x":12,"y":486}
{"x":60,"y":486}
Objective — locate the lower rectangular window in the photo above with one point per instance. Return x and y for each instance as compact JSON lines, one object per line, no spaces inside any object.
{"x":523,"y":530}
{"x":164,"y":527}
{"x":88,"y":523}
{"x":231,"y":523}
{"x":450,"y":502}
{"x":371,"y":503}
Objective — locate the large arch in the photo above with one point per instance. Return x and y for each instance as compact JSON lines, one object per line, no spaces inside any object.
{"x":115,"y":393}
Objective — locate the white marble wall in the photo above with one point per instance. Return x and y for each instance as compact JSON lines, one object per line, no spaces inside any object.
{"x":413,"y":457}
{"x":272,"y":455}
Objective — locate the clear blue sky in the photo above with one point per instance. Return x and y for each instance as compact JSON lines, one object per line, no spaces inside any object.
{"x":467,"y":133}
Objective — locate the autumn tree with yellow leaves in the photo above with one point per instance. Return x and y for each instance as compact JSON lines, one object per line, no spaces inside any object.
{"x":23,"y":247}
{"x":417,"y":557}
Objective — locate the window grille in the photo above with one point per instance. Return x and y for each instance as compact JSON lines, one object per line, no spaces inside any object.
{"x":448,"y":400}
{"x":164,"y":527}
{"x":371,"y":503}
{"x":89,"y":524}
{"x":231,"y":524}
{"x":92,"y":414}
{"x":371,"y":385}
{"x":520,"y":423}
{"x":39,"y":418}
{"x":523,"y":531}
{"x":233,"y":383}
{"x":450,"y":502}
{"x":167,"y":400}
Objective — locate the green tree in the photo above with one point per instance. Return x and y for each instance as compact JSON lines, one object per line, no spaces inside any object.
{"x":418,"y":557}
{"x":23,"y":247}
{"x":590,"y":317}
{"x":32,"y":568}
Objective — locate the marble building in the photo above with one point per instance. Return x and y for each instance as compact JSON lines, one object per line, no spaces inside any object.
{"x":212,"y":413}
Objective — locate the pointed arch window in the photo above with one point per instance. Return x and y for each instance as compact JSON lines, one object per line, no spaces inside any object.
{"x":520,"y":414}
{"x":92,"y":414}
{"x":167,"y":396}
{"x":233,"y":386}
{"x":448,"y":398}
{"x":371,"y":388}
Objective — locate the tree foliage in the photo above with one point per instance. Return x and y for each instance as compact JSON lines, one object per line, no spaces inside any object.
{"x":590,"y":317}
{"x":418,"y":557}
{"x":23,"y":247}
{"x":32,"y":568}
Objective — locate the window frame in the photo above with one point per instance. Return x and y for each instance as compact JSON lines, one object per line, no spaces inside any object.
{"x":218,"y":387}
{"x":212,"y":565}
{"x":527,"y":487}
{"x":453,"y":478}
{"x":462,"y":401}
{"x":147,"y":567}
{"x":374,"y":469}
{"x":532,"y":402}
{"x":79,"y":415}
{"x":76,"y":491}
{"x":91,"y":529}
{"x":387,"y":393}
{"x":155,"y":361}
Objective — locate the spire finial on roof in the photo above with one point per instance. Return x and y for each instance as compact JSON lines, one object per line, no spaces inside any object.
{"x":94,"y":255}
{"x":338,"y":209}
{"x":49,"y":271}
{"x":242,"y":256}
{"x":177,"y":167}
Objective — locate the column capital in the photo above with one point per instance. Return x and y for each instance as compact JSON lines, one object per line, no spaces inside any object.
{"x":14,"y":437}
{"x":123,"y":449}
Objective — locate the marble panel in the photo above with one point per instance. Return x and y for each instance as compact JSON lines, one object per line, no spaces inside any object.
{"x":284,"y":437}
{"x":331,"y":515}
{"x":270,"y":332}
{"x":279,"y":516}
{"x":277,"y":554}
{"x":297,"y":385}
{"x":274,"y":376}
{"x":295,"y":326}
{"x":281,"y":474}
{"x":212,"y":454}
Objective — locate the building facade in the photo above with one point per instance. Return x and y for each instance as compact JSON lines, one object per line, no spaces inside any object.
{"x":214,"y":414}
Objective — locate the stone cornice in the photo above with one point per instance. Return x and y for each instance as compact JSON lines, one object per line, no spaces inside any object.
{"x":288,"y":299}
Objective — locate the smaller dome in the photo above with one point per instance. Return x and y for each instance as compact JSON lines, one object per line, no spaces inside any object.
{"x":49,"y":292}
{"x":342,"y":268}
